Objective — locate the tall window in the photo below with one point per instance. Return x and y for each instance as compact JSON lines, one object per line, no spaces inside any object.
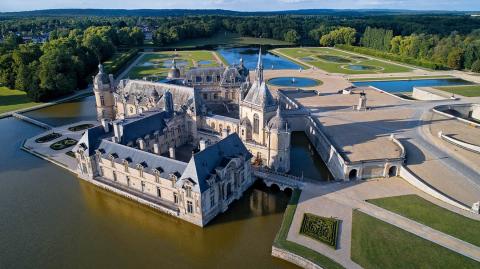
{"x":175,"y":198}
{"x":189,"y":207}
{"x":114,"y":176}
{"x":102,"y":100}
{"x":159,"y":192}
{"x":256,"y":124}
{"x":128,"y":181}
{"x":188,"y":192}
{"x":212,"y":198}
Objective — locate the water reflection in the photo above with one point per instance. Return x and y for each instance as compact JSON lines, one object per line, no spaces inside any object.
{"x":305,"y":159}
{"x":250,"y":58}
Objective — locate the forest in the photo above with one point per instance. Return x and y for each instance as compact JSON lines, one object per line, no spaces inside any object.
{"x":76,"y":44}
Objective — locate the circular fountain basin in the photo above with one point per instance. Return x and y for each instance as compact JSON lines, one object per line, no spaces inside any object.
{"x":360,"y":67}
{"x":294,"y":82}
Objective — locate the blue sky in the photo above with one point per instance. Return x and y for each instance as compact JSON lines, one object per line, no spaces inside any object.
{"x":243,"y":5}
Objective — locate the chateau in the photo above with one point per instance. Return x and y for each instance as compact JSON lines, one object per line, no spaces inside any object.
{"x":185,"y":145}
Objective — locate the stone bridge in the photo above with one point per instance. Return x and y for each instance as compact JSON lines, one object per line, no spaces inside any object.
{"x":283,"y":181}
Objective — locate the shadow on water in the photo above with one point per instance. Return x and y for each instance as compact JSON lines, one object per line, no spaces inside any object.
{"x":304,"y":159}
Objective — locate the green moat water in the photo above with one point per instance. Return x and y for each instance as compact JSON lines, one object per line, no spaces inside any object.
{"x":51,"y":219}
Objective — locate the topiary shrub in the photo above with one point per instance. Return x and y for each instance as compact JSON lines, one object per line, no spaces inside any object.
{"x":321,"y":229}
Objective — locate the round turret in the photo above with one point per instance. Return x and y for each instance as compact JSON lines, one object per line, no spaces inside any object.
{"x":174,"y":71}
{"x":101,"y":78}
{"x":277,"y":122}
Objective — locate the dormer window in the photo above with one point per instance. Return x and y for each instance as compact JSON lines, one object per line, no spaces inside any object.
{"x":112,"y":158}
{"x":157,"y":171}
{"x":140,"y":168}
{"x":126,"y":163}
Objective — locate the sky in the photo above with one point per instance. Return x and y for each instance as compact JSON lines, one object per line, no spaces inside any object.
{"x":243,"y":5}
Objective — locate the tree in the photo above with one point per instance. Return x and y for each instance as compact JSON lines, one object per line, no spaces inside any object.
{"x":342,"y":35}
{"x":455,"y":59}
{"x":101,"y":41}
{"x":291,"y":36}
{"x":476,"y":66}
{"x":7,"y":74}
{"x":25,"y":63}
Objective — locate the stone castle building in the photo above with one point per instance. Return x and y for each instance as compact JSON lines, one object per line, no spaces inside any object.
{"x":185,"y":145}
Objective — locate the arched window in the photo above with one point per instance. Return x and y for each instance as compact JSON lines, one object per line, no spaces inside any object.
{"x":220,"y":127}
{"x":228,"y":129}
{"x":256,"y":124}
{"x":213,"y":125}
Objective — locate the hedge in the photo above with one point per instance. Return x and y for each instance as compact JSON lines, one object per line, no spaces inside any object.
{"x":393,"y":57}
{"x":116,"y":64}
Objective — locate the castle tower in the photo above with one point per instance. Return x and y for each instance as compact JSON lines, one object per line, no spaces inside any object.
{"x":174,"y":72}
{"x":279,"y":136}
{"x":258,"y":106}
{"x":168,"y":103}
{"x":103,"y":87}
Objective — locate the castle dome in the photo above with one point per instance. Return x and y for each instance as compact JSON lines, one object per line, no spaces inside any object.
{"x":101,"y":77}
{"x":277,"y":122}
{"x":174,"y":71}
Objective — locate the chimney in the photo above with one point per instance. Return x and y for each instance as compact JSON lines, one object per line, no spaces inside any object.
{"x":203,"y":144}
{"x":171,"y":150}
{"x":105,"y":125}
{"x":141,"y":144}
{"x":156,"y":149}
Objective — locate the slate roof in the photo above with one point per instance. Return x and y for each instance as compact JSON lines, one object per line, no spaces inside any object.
{"x":259,"y":95}
{"x":91,"y":139}
{"x":141,"y":125}
{"x":149,"y":161}
{"x":203,"y":164}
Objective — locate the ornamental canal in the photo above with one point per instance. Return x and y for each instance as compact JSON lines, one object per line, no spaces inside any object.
{"x":51,"y":219}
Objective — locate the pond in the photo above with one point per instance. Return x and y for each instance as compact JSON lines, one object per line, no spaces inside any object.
{"x":205,"y":62}
{"x":250,"y":58}
{"x":360,"y":67}
{"x":293,"y":82}
{"x":333,"y":58}
{"x":408,"y":85}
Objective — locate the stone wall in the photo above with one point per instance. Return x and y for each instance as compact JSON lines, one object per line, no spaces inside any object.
{"x":293,"y":258}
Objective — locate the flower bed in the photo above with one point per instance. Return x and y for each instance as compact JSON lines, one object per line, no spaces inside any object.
{"x":48,"y":138}
{"x":63,"y":144}
{"x":80,"y":127}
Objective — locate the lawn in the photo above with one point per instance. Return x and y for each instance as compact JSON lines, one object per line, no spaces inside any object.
{"x":377,"y":244}
{"x":226,"y":39}
{"x":282,"y":242}
{"x":157,"y":65}
{"x":467,"y":91}
{"x":420,"y":210}
{"x":398,"y":78}
{"x":335,"y":61}
{"x":11,"y":100}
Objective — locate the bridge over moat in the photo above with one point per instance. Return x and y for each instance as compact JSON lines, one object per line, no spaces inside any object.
{"x":282,"y":180}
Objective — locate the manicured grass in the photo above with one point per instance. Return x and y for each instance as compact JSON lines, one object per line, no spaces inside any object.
{"x":282,"y":242}
{"x":63,"y":144}
{"x":420,"y":210}
{"x":467,"y":91}
{"x":11,"y":100}
{"x":119,"y":61}
{"x":226,"y":39}
{"x":152,"y":64}
{"x":377,"y":244}
{"x":332,"y":60}
{"x":397,"y":78}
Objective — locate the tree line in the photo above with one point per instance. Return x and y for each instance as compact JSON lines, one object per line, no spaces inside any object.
{"x":63,"y":64}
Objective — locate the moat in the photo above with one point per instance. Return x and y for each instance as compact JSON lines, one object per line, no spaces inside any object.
{"x":46,"y":208}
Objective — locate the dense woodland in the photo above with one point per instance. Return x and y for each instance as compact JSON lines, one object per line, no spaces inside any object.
{"x":75,"y":45}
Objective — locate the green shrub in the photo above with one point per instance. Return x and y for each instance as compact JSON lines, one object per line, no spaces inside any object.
{"x":393,"y":57}
{"x":63,"y":144}
{"x":320,"y":228}
{"x":476,"y":66}
{"x":115,"y":65}
{"x":48,"y":137}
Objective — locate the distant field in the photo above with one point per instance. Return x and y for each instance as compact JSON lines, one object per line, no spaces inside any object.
{"x":377,"y":244}
{"x":467,"y":91}
{"x":397,"y":78}
{"x":157,"y":65}
{"x":226,"y":39}
{"x":11,"y":100}
{"x":335,"y":61}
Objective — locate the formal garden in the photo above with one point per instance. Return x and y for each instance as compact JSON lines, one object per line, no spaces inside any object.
{"x":337,"y":61}
{"x":48,"y":138}
{"x":80,"y":127}
{"x":63,"y":144}
{"x":322,"y":229}
{"x":467,"y":91}
{"x":156,"y":65}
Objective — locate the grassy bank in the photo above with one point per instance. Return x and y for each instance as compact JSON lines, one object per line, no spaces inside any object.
{"x":336,"y":61}
{"x":467,"y":91}
{"x":377,"y":244}
{"x":11,"y":100}
{"x":282,"y":242}
{"x":226,"y":39}
{"x":420,"y":210}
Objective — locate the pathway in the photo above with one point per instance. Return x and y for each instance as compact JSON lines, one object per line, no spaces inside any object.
{"x":339,"y":199}
{"x":127,"y":70}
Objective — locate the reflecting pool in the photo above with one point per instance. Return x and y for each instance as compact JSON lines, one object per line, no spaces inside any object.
{"x":293,"y":82}
{"x":407,"y":85}
{"x":250,"y":58}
